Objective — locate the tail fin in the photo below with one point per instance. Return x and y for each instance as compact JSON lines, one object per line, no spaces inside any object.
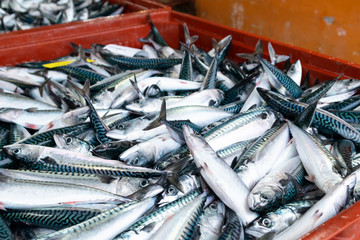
{"x":160,"y":118}
{"x":189,"y":40}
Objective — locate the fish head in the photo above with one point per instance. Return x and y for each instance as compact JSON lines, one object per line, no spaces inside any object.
{"x":77,"y":116}
{"x":197,"y":145}
{"x":129,"y":130}
{"x":9,"y":114}
{"x":64,"y":140}
{"x":145,"y":106}
{"x":153,"y":91}
{"x":215,"y":97}
{"x":260,"y":226}
{"x":128,"y":185}
{"x":146,"y":192}
{"x":213,"y":216}
{"x":24,"y":152}
{"x":68,"y":142}
{"x":138,"y":156}
{"x":264,"y":199}
{"x":171,"y":193}
{"x":102,"y":100}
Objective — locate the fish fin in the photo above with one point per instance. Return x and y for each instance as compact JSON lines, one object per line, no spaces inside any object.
{"x":215,"y":45}
{"x":75,"y":48}
{"x":85,"y":93}
{"x":252,"y":107}
{"x":175,"y":169}
{"x":320,"y":92}
{"x":41,"y":88}
{"x":31,"y":109}
{"x":2,"y":208}
{"x":310,"y":178}
{"x":306,"y":81}
{"x":106,"y":179}
{"x":197,"y":234}
{"x":282,"y":58}
{"x":258,"y":48}
{"x":3,"y":178}
{"x":149,"y":227}
{"x":136,"y":87}
{"x":48,"y":160}
{"x":305,"y":119}
{"x":81,"y":54}
{"x":234,"y":162}
{"x":161,"y":117}
{"x":245,"y":55}
{"x":175,"y":134}
{"x":317,"y":215}
{"x":285,"y":184}
{"x":272,"y":54}
{"x":287,"y":64}
{"x":162,"y":179}
{"x":189,"y":40}
{"x":204,"y":186}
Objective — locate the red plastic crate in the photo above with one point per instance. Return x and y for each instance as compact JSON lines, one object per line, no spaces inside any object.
{"x":127,"y":29}
{"x":48,"y":33}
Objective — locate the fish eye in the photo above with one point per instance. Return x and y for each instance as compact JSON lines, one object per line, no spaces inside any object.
{"x":95,"y":100}
{"x":263,"y":198}
{"x":121,"y":127}
{"x":264,"y":115}
{"x":213,"y":207}
{"x":16,"y":151}
{"x":135,"y":161}
{"x":266,"y":222}
{"x":143,"y":183}
{"x":68,"y":140}
{"x":171,"y":191}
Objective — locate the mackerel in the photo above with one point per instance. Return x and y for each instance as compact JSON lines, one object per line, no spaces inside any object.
{"x":105,"y":225}
{"x":146,"y":226}
{"x":241,"y":127}
{"x":220,"y":177}
{"x":22,"y":194}
{"x":46,"y":158}
{"x":265,"y":152}
{"x":182,"y":224}
{"x":317,"y":160}
{"x":323,"y":120}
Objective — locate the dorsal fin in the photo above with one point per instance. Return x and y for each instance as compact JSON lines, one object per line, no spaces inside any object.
{"x":305,"y":119}
{"x":160,"y":118}
{"x":135,"y":85}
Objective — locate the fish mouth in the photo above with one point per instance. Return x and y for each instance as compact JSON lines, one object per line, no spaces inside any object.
{"x":134,"y":108}
{"x":7,"y":150}
{"x":256,"y":230}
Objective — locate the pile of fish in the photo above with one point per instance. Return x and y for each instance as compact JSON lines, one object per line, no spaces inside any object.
{"x":25,"y":14}
{"x":114,"y":142}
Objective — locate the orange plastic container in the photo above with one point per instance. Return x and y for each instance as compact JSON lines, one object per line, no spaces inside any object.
{"x":127,"y":29}
{"x":47,"y":33}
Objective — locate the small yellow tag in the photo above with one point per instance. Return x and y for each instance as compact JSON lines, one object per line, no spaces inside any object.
{"x":57,"y":64}
{"x":90,"y":60}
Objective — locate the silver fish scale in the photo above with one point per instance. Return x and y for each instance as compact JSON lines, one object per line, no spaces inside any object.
{"x":234,"y":123}
{"x":223,"y":153}
{"x":257,"y":145}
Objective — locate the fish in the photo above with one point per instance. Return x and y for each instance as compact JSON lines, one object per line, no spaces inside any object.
{"x":182,"y":223}
{"x":103,"y":225}
{"x":219,"y":176}
{"x":327,"y":207}
{"x":321,"y":170}
{"x":156,"y":142}
{"x":279,"y":219}
{"x":280,"y":186}
{"x":42,"y":13}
